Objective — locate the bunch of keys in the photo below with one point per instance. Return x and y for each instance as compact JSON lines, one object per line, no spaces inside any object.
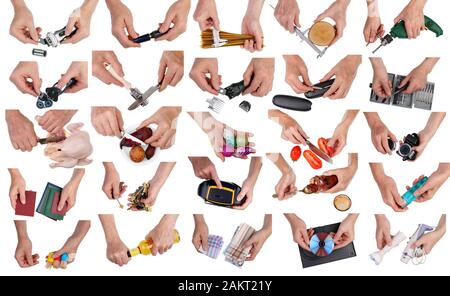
{"x":136,"y":199}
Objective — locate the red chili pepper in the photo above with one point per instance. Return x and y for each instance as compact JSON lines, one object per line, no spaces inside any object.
{"x":296,"y":152}
{"x":323,"y":145}
{"x":313,"y":160}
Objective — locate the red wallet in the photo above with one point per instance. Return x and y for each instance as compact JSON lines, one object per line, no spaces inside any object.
{"x":28,"y":208}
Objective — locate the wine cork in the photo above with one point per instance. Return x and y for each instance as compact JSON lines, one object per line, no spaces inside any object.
{"x":322,"y":33}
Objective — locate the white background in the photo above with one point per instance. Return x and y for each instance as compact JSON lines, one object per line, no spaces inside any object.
{"x":279,"y":255}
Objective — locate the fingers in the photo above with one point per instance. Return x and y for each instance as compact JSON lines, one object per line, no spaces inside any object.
{"x":71,"y":25}
{"x":216,"y":178}
{"x":62,"y":201}
{"x":118,"y":31}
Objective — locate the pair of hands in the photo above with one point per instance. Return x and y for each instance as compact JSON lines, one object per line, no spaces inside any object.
{"x":416,"y":80}
{"x":108,"y":121}
{"x":287,"y":14}
{"x":23,"y":27}
{"x":161,"y":237}
{"x":21,"y":130}
{"x":344,"y":73}
{"x":412,"y":15}
{"x":174,"y":24}
{"x":170,"y":72}
{"x":343,"y":237}
{"x":27,"y":80}
{"x":427,"y":242}
{"x":205,"y":169}
{"x":389,"y":191}
{"x":258,"y":77}
{"x":255,"y":242}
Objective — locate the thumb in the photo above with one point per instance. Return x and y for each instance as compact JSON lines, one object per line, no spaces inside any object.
{"x":165,"y":26}
{"x":130,"y":28}
{"x":59,"y":253}
{"x":404,"y":81}
{"x":33,"y":32}
{"x":205,"y":245}
{"x":216,"y":23}
{"x":297,"y":20}
{"x":338,"y":236}
{"x":331,"y":142}
{"x":70,"y":25}
{"x":329,"y":173}
{"x":392,"y":136}
{"x":248,"y":243}
{"x":120,"y":120}
{"x":62,"y":201}
{"x":37,"y":83}
{"x":397,"y":19}
{"x":320,"y":17}
{"x":22,"y":196}
{"x":161,"y":71}
{"x":427,"y":186}
{"x":389,"y":240}
{"x":64,"y":80}
{"x":420,"y":242}
{"x":146,"y":122}
{"x":216,"y":179}
{"x":215,"y":81}
{"x":248,"y":75}
{"x":29,"y":257}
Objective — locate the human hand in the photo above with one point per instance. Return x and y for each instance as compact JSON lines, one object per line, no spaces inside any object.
{"x":252,"y":26}
{"x":122,"y":24}
{"x":77,"y":71}
{"x":435,"y":181}
{"x":24,"y":253}
{"x":381,"y":84}
{"x":346,"y":232}
{"x":339,"y":139}
{"x":258,"y":78}
{"x":70,"y":248}
{"x":383,"y":233}
{"x":171,"y":69}
{"x":21,"y":131}
{"x":389,"y":193}
{"x":206,"y":15}
{"x":176,"y":15}
{"x":111,"y":183}
{"x":430,"y":239}
{"x":373,"y":29}
{"x":162,"y":236}
{"x":300,"y":233}
{"x":68,"y":195}
{"x":416,"y":80}
{"x":99,"y":59}
{"x":166,"y":120}
{"x":205,"y":169}
{"x":107,"y":121}
{"x":246,"y":191}
{"x":287,"y":14}
{"x":286,"y":187}
{"x":22,"y":26}
{"x":413,"y":17}
{"x":217,"y":135}
{"x":344,"y":175}
{"x":256,"y":242}
{"x":337,"y":12}
{"x":295,"y":68}
{"x":205,"y":73}
{"x":116,"y":252}
{"x":200,"y":236}
{"x":292,"y":131}
{"x":344,"y":73}
{"x":26,"y":78}
{"x":380,"y":135}
{"x":81,"y":20}
{"x":54,"y":121}
{"x":17,"y":188}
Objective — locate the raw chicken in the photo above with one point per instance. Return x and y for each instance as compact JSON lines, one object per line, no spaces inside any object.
{"x":73,"y":151}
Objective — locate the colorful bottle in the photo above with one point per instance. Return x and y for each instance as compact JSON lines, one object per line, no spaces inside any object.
{"x":409,"y":196}
{"x":145,"y":246}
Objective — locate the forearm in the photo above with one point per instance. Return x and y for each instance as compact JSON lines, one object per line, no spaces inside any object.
{"x":344,"y":3}
{"x":163,"y":172}
{"x":254,"y":8}
{"x":372,"y":118}
{"x":81,"y":230}
{"x":353,"y":161}
{"x":444,"y":168}
{"x":254,"y":169}
{"x":352,"y":218}
{"x":372,"y":8}
{"x":267,"y":225}
{"x":204,"y":120}
{"x":199,"y":219}
{"x":278,"y":116}
{"x":377,"y":170}
{"x":77,"y":176}
{"x":14,"y":173}
{"x":90,"y":5}
{"x":18,"y":4}
{"x":278,"y":160}
{"x":21,"y":228}
{"x":109,"y":227}
{"x":377,"y":64}
{"x":428,"y":64}
{"x":108,"y":166}
{"x":379,"y":218}
{"x":442,"y":225}
{"x":433,"y":123}
{"x":349,"y":117}
{"x":169,"y":220}
{"x":290,"y":217}
{"x":110,"y":3}
{"x":419,"y":3}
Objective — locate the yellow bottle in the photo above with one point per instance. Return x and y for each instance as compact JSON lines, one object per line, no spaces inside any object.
{"x":145,"y":246}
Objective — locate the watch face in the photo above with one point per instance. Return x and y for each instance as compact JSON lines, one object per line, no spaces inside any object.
{"x":223,"y":196}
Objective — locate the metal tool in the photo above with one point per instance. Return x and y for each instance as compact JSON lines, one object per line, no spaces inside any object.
{"x":51,"y":94}
{"x":319,"y":152}
{"x":141,"y":99}
{"x":215,"y":104}
{"x":127,"y":135}
{"x":399,"y":31}
{"x":45,"y":141}
{"x":218,"y":42}
{"x":54,"y":39}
